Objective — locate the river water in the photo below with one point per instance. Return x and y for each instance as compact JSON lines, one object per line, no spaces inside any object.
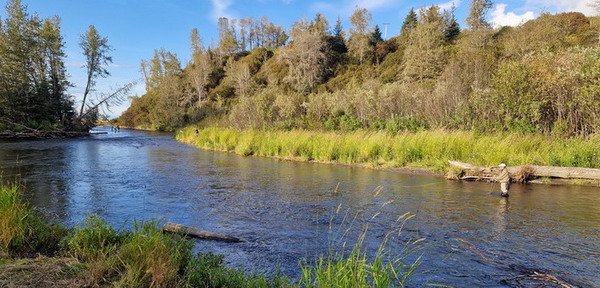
{"x":467,"y":235}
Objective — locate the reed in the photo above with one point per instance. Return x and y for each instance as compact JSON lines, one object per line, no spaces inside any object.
{"x":426,"y":149}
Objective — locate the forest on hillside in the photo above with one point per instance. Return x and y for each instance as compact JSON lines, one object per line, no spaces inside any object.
{"x":542,"y":76}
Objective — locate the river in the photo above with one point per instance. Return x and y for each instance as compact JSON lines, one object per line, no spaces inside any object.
{"x":288,"y":211}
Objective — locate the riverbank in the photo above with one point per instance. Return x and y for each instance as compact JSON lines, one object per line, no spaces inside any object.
{"x":37,"y":253}
{"x":419,"y":151}
{"x":41,"y":135}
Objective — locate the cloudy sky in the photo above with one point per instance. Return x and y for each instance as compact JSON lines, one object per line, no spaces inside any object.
{"x":136,"y":27}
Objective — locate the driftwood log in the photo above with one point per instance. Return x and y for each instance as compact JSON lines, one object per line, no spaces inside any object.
{"x":197,"y":233}
{"x":523,"y":173}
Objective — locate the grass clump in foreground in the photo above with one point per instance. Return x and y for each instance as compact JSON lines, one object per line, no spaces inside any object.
{"x":23,"y":233}
{"x":94,"y":254}
{"x":428,"y":149}
{"x":356,"y":270}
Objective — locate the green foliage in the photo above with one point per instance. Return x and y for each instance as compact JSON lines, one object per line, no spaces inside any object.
{"x":13,"y":213}
{"x":357,"y":270}
{"x":410,"y":22}
{"x":23,"y":232}
{"x":540,"y":77}
{"x":33,"y":79}
{"x":93,"y":241}
{"x":549,"y":32}
{"x":207,"y":270}
{"x":148,"y":257}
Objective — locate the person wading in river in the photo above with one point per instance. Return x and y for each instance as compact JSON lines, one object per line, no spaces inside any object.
{"x":504,"y":180}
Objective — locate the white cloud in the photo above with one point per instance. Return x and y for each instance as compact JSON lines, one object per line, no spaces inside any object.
{"x":500,"y":17}
{"x":583,"y":6}
{"x":221,"y":9}
{"x":449,"y":5}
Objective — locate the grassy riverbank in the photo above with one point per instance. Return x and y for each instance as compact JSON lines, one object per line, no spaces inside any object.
{"x":37,"y":253}
{"x":426,"y":149}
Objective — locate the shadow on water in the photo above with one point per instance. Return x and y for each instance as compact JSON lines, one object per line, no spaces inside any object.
{"x":473,"y":237}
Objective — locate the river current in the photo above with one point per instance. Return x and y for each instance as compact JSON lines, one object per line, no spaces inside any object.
{"x":467,"y":236}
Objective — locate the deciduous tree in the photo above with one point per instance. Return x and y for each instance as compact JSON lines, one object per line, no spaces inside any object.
{"x":358,"y":45}
{"x":95,"y":49}
{"x":476,"y":19}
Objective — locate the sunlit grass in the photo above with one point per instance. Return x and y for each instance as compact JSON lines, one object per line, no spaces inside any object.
{"x":23,"y":232}
{"x":429,"y":149}
{"x":13,"y":213}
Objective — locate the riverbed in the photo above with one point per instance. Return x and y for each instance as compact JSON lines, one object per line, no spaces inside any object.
{"x":289,"y":212}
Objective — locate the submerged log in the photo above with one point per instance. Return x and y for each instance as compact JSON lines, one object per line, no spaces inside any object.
{"x":525,"y":173}
{"x":197,"y":233}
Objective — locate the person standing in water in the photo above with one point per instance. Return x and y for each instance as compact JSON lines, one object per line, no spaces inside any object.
{"x":504,"y":179}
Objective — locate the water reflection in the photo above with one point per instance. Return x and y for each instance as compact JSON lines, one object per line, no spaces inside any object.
{"x":287,"y":210}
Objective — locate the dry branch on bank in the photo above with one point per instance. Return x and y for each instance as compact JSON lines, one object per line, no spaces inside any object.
{"x":197,"y":233}
{"x":521,"y":173}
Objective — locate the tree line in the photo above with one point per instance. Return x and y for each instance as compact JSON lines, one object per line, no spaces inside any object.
{"x":33,"y":76}
{"x":542,"y":76}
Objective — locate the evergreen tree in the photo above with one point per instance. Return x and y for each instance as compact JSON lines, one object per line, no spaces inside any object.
{"x":409,"y":23}
{"x":338,"y":30}
{"x":376,"y":36}
{"x":16,"y":63}
{"x":451,"y":28}
{"x":32,"y":72}
{"x":335,"y":49}
{"x":337,"y":43}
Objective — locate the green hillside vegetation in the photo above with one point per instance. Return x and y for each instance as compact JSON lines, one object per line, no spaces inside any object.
{"x":542,"y":76}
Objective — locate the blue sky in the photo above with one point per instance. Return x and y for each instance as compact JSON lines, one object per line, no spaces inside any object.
{"x":135,"y":28}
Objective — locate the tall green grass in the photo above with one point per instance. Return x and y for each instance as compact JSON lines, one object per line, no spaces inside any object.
{"x":356,"y":269}
{"x":428,"y":149}
{"x":13,"y":213}
{"x":22,"y":231}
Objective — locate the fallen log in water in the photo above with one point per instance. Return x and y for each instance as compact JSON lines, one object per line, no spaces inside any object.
{"x":197,"y":233}
{"x":523,"y":173}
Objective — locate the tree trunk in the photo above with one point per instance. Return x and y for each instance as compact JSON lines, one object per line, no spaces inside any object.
{"x":472,"y":172}
{"x":197,"y":233}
